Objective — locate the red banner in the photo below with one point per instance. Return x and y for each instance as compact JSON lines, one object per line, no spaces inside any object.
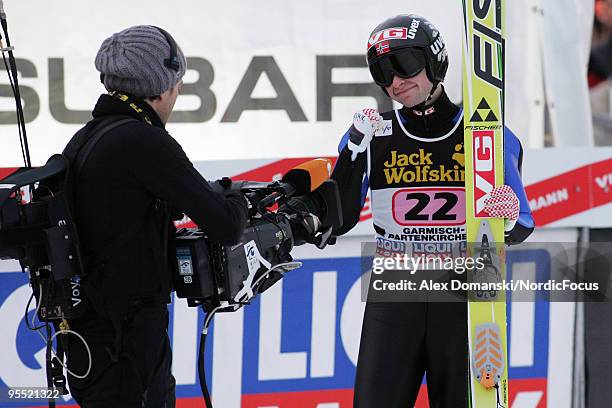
{"x":551,"y":199}
{"x":571,"y":193}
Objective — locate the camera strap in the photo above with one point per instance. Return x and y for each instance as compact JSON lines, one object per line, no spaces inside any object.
{"x":85,"y":140}
{"x":78,"y":151}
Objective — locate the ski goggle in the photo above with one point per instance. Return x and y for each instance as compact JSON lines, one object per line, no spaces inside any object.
{"x":405,"y":63}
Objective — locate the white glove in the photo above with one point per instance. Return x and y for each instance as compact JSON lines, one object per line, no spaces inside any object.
{"x":365,"y":123}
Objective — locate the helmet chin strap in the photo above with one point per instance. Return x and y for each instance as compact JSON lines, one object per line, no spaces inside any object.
{"x":421,"y":106}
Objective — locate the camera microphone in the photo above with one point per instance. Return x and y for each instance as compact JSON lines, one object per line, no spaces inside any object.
{"x":300,"y":180}
{"x":309,"y":175}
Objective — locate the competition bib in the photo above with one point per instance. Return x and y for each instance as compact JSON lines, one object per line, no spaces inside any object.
{"x":418,"y":192}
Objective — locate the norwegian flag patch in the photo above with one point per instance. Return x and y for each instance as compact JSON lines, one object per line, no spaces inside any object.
{"x":382,"y":47}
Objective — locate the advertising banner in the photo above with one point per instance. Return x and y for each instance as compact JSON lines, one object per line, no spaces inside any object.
{"x":297,"y":345}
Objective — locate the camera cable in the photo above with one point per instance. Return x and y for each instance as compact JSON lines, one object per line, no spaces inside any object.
{"x":208,"y":319}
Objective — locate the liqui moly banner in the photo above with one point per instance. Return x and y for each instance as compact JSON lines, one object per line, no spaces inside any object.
{"x":297,"y":345}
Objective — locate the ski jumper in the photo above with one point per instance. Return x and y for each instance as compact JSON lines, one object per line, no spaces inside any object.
{"x":414,"y":169}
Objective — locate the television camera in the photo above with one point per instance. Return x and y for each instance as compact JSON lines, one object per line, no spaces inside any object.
{"x":225,"y":277}
{"x":36,"y":228}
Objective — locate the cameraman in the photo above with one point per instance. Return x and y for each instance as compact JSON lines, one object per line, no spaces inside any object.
{"x":133,"y":183}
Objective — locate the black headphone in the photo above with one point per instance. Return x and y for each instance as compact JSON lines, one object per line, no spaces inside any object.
{"x":172,"y":62}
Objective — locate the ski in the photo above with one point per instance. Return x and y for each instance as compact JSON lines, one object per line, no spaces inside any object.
{"x":483,"y":103}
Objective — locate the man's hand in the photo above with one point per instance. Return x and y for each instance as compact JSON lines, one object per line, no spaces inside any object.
{"x":503,"y":203}
{"x":365,"y":123}
{"x":221,"y":186}
{"x":224,"y":186}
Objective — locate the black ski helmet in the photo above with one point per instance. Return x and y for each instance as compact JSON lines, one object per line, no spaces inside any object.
{"x":414,"y":42}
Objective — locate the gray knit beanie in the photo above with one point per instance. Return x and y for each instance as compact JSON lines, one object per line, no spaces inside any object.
{"x":132,"y":61}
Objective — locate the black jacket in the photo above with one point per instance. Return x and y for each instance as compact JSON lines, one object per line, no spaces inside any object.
{"x":131,"y":170}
